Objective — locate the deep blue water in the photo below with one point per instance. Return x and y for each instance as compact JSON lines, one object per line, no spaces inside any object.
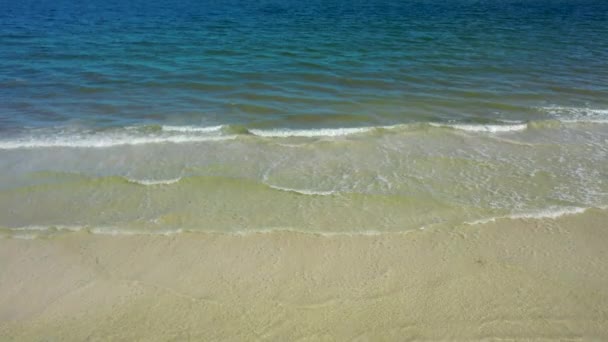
{"x":301,"y":64}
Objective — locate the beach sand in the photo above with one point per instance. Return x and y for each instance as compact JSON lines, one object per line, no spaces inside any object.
{"x":539,"y":279}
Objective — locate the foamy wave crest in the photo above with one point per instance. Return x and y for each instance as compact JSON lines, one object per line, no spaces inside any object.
{"x":47,"y":228}
{"x":193,"y":129}
{"x":120,"y":232}
{"x":312,"y":133}
{"x":303,"y":191}
{"x":104,"y":141}
{"x":34,"y":231}
{"x":578,"y":114}
{"x":148,"y":182}
{"x":549,"y":213}
{"x":485,"y":128}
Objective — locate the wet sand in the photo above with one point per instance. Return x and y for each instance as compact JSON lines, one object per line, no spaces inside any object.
{"x":539,"y":279}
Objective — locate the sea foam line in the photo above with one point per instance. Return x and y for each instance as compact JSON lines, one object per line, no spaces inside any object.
{"x":550,"y":213}
{"x":303,"y":191}
{"x":578,"y":114}
{"x":47,"y":228}
{"x":119,"y":232}
{"x":149,"y":182}
{"x":487,"y":128}
{"x":102,"y":142}
{"x":29,"y":232}
{"x":193,"y":129}
{"x":194,"y":134}
{"x":104,"y":230}
{"x":310,"y":133}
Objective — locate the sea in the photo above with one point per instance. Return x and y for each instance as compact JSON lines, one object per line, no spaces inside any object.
{"x":322,"y":117}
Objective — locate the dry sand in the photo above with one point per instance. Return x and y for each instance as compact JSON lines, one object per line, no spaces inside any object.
{"x":511,"y":279}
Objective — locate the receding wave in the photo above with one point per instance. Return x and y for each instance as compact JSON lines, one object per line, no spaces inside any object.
{"x":176,"y":180}
{"x":38,"y":231}
{"x":34,"y":232}
{"x":577,"y":114}
{"x":48,"y":228}
{"x":549,"y":213}
{"x":304,"y":191}
{"x":154,"y":181}
{"x":170,"y":181}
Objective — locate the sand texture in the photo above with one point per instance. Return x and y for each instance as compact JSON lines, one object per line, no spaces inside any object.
{"x":530,"y":279}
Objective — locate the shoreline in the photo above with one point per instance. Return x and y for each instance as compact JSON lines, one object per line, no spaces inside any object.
{"x":509,"y":279}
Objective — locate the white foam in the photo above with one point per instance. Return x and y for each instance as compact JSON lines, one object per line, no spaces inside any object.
{"x":275,"y":230}
{"x":549,"y":213}
{"x":29,"y":232}
{"x":323,"y":132}
{"x":104,"y":141}
{"x":172,"y":134}
{"x":584,"y":120}
{"x":119,"y":232}
{"x":24,"y":237}
{"x":21,"y":232}
{"x":486,"y":128}
{"x":47,"y":228}
{"x":148,"y":182}
{"x":313,"y":133}
{"x":303,"y":191}
{"x":35,"y":231}
{"x":192,"y":129}
{"x":578,"y":114}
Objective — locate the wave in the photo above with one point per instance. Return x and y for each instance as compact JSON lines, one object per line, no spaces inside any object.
{"x":48,"y":228}
{"x":549,"y":213}
{"x":118,"y":232}
{"x":149,"y":182}
{"x":33,"y":232}
{"x":577,"y":114}
{"x":303,"y":191}
{"x":193,"y":129}
{"x":487,"y":128}
{"x":170,"y":181}
{"x":312,"y":133}
{"x":193,"y":179}
{"x":104,"y":141}
{"x":36,"y":231}
{"x":152,"y":182}
{"x":39,"y":231}
{"x":140,"y":135}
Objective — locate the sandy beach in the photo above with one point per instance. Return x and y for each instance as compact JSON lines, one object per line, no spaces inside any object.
{"x":327,"y":170}
{"x":526,"y":279}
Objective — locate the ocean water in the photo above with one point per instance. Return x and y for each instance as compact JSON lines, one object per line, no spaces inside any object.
{"x":137,"y":117}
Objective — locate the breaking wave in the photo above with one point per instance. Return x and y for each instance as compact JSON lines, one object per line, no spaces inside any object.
{"x":497,"y":128}
{"x":154,"y":181}
{"x":154,"y":134}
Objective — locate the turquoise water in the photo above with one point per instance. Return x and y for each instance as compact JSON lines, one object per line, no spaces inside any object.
{"x":314,"y":116}
{"x":297,"y":64}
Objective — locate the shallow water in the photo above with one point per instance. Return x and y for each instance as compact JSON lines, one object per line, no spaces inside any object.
{"x":236,"y":117}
